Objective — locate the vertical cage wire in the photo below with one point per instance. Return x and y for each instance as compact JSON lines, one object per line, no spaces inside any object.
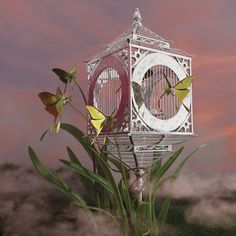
{"x":154,"y":85}
{"x":107,"y":91}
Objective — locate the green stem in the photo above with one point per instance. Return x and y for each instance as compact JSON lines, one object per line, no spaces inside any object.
{"x":82,"y":93}
{"x":134,"y":155}
{"x":78,"y":111}
{"x":123,"y":172}
{"x":125,"y":224}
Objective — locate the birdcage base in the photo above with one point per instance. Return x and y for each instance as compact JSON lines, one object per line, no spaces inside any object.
{"x":142,"y":151}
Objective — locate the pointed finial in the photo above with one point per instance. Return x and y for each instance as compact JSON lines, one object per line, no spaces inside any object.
{"x":137,"y":17}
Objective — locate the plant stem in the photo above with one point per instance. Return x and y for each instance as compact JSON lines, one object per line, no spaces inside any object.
{"x":123,"y":172}
{"x":82,"y":93}
{"x":78,"y":111}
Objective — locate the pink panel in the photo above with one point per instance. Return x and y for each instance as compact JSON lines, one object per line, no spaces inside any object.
{"x":115,"y":63}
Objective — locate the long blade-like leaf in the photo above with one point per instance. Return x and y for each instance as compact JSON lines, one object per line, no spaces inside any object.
{"x":117,"y":164}
{"x":90,"y":175}
{"x":72,"y":156}
{"x":85,"y":142}
{"x":52,"y":177}
{"x":81,"y":137}
{"x":87,"y":183}
{"x":159,"y":173}
{"x":164,"y":210}
{"x":181,"y":165}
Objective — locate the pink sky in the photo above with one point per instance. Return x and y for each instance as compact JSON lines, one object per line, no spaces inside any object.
{"x":36,"y":36}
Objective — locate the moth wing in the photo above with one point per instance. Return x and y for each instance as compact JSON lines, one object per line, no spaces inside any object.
{"x":185,"y":83}
{"x":59,"y":106}
{"x":63,"y":75}
{"x":138,"y":94}
{"x":95,"y":113}
{"x":47,"y":98}
{"x":52,"y":110}
{"x":59,"y":94}
{"x":98,"y":125}
{"x":181,"y":94}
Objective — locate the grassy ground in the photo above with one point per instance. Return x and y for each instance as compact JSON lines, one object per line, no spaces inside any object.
{"x":178,"y":226}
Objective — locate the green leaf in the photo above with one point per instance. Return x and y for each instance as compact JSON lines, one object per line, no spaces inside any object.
{"x":73,"y":157}
{"x":118,"y":165}
{"x":90,"y":175}
{"x":124,"y":193}
{"x":155,"y":168}
{"x":85,"y":142}
{"x":146,"y":224}
{"x":182,"y":164}
{"x":80,"y":137}
{"x":52,"y":177}
{"x":89,"y":185}
{"x":144,"y":210}
{"x":157,"y":174}
{"x":164,"y":210}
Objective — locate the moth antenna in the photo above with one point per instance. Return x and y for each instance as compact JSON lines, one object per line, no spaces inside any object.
{"x":168,"y":82}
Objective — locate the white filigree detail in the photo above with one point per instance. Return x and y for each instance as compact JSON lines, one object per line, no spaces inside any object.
{"x":151,"y":148}
{"x":186,"y":127}
{"x":123,"y":55}
{"x":137,"y":55}
{"x":91,"y":68}
{"x":150,"y":41}
{"x":185,"y":64}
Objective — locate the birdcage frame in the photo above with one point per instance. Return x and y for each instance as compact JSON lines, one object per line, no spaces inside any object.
{"x":140,"y":136}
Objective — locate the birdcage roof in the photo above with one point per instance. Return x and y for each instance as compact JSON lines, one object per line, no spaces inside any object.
{"x":138,"y":30}
{"x":140,"y":35}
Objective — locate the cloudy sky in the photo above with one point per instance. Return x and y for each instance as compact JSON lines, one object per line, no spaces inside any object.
{"x":36,"y":36}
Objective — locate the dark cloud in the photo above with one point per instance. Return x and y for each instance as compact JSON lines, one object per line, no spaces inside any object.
{"x":31,"y":206}
{"x":39,"y":35}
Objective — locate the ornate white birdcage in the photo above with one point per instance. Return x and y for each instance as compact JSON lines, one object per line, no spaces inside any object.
{"x":127,"y":80}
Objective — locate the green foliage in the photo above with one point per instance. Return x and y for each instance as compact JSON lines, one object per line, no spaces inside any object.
{"x":52,"y":177}
{"x":111,"y":195}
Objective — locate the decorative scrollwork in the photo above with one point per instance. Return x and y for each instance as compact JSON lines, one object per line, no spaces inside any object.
{"x":186,"y":127}
{"x":137,"y":55}
{"x":150,"y":148}
{"x":185,"y":64}
{"x":123,"y":55}
{"x":91,"y":67}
